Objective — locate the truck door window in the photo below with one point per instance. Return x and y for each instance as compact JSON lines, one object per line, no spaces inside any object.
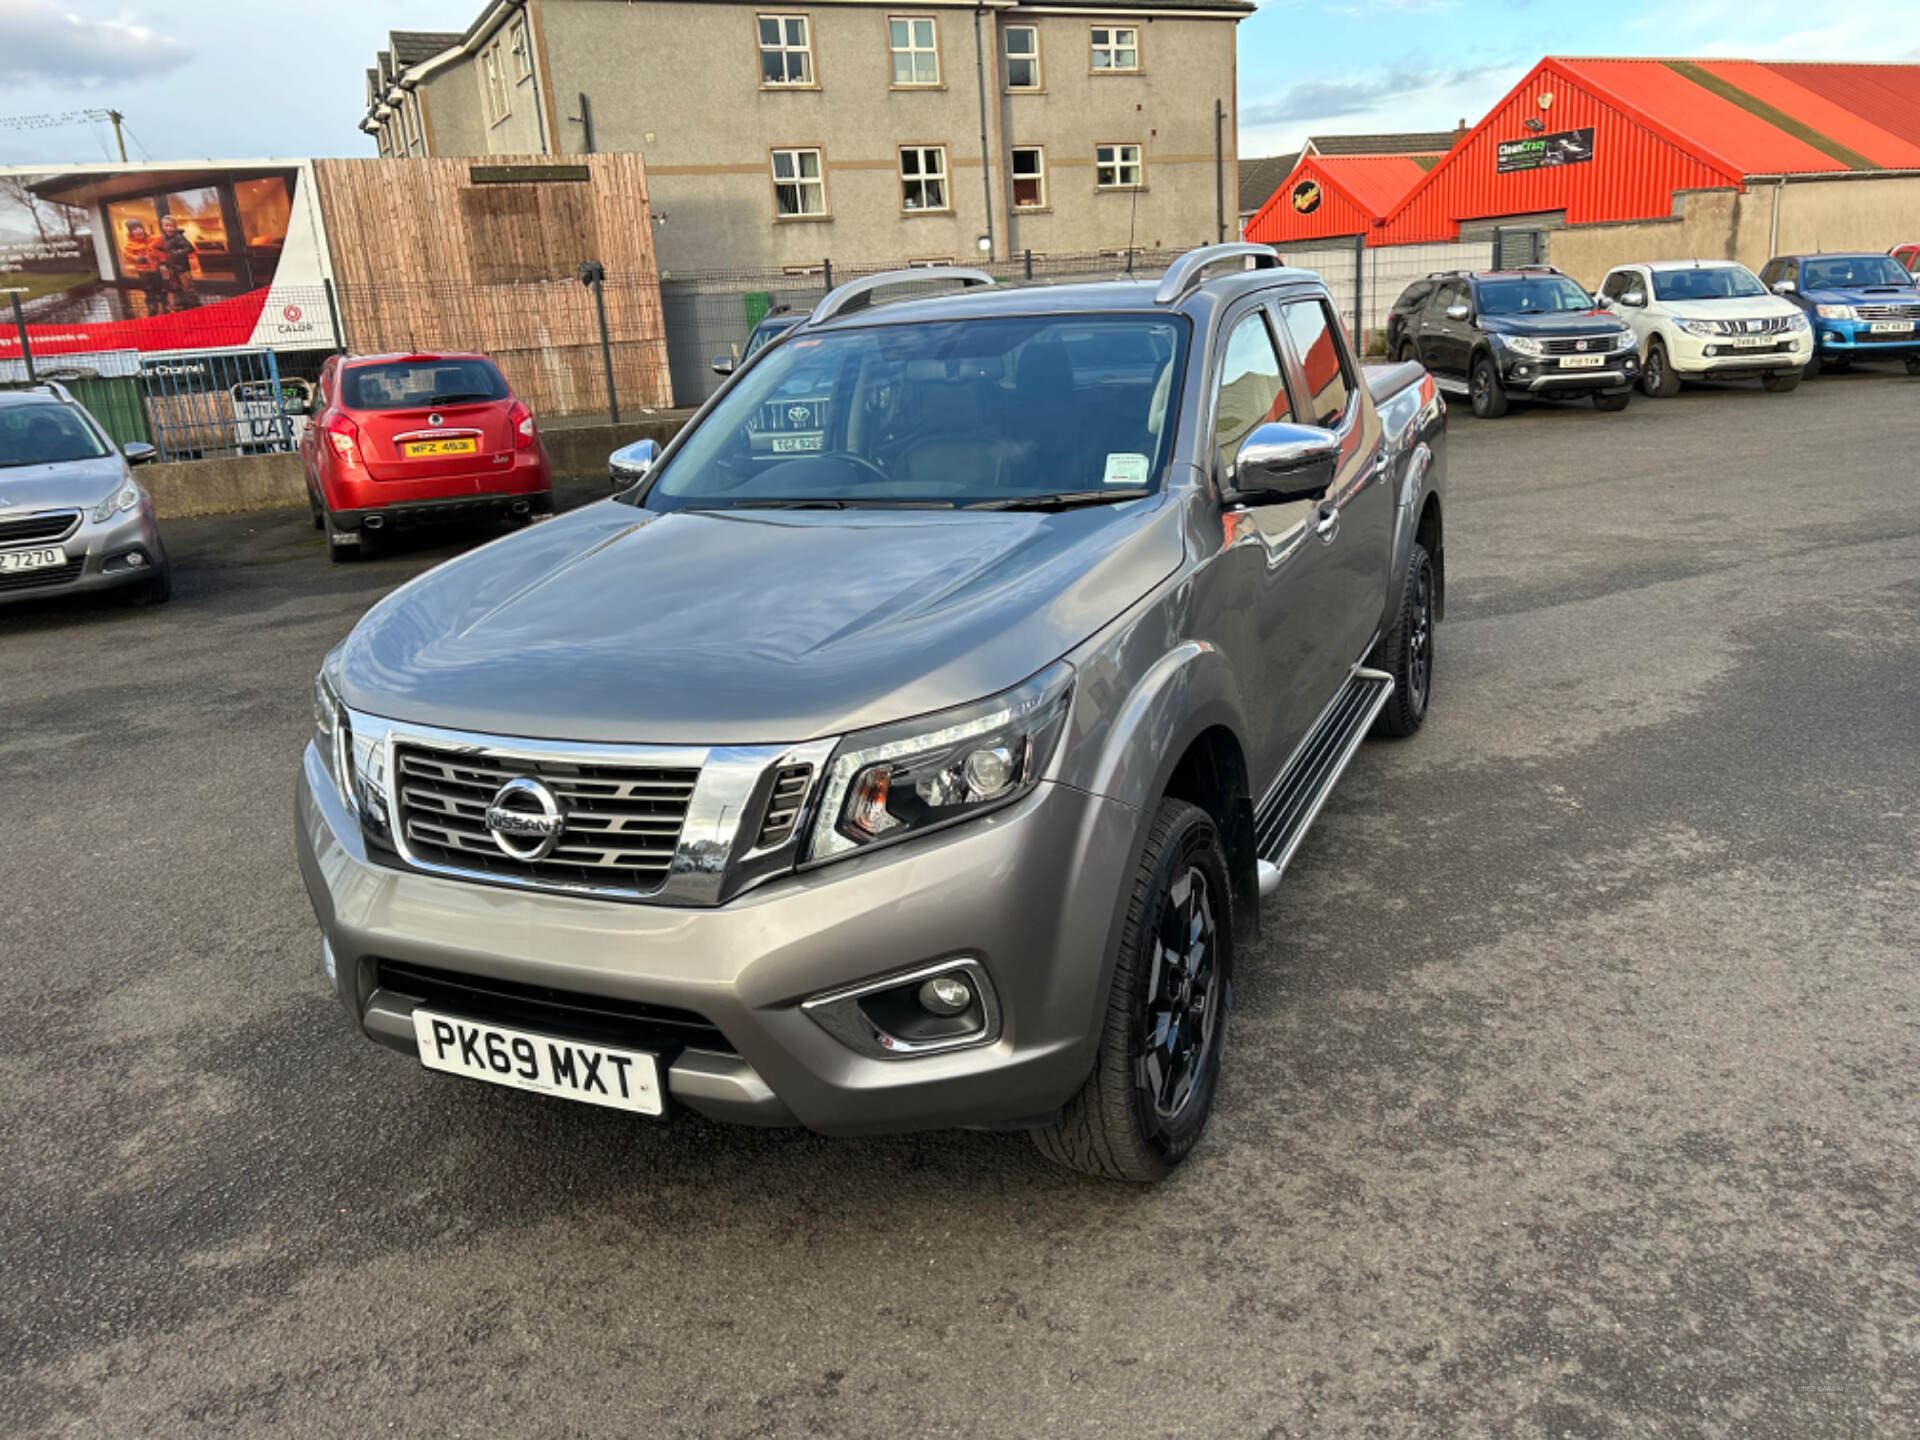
{"x":1329,"y":387}
{"x":1617,"y":284}
{"x":1250,"y":392}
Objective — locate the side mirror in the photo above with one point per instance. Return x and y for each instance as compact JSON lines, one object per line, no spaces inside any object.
{"x":723,"y":364}
{"x":630,"y":464}
{"x":138,"y":452}
{"x":1784,"y":287}
{"x":296,"y":405}
{"x":1635,"y":298}
{"x":1280,"y":463}
{"x":1459,"y":312}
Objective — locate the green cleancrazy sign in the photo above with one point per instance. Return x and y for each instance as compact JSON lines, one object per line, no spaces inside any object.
{"x":1540,"y":152}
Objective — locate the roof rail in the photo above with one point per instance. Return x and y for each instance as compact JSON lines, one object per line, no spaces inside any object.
{"x":858,"y":294}
{"x":1187,"y":273}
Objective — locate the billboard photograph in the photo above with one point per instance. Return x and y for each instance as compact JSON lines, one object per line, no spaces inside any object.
{"x":162,"y":257}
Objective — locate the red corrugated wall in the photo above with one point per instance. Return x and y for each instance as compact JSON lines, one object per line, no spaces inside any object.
{"x":1636,"y":168}
{"x":1277,"y":222}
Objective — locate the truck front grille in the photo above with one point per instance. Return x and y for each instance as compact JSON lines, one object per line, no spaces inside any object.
{"x":621,"y":822}
{"x":1580,"y":345}
{"x":1887,"y":312}
{"x":46,"y":527}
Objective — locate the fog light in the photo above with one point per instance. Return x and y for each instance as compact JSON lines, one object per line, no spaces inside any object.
{"x":136,"y":560}
{"x":946,"y":995}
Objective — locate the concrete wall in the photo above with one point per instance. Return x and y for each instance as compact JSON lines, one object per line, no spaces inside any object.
{"x":267,"y":482}
{"x":680,"y":83}
{"x":1865,"y":213}
{"x":457,"y":125}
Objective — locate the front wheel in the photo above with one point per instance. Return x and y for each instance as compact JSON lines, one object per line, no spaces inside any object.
{"x":1814,"y":365}
{"x":1913,"y":364}
{"x":1657,"y":376}
{"x":1164,"y":1028}
{"x":1406,"y":650}
{"x":157,"y":590}
{"x":1615,"y":401}
{"x":1484,"y":387}
{"x":1781,"y":383}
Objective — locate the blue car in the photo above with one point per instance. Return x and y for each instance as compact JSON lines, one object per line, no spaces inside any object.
{"x":1863,"y":307}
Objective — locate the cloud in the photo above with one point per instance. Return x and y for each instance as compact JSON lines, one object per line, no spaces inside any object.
{"x":49,"y":44}
{"x":1318,"y":100}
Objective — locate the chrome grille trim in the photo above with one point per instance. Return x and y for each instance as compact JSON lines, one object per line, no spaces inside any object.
{"x":789,"y":798}
{"x":1899,"y":311}
{"x":41,"y":527}
{"x":1602,"y":344}
{"x":654,"y":824}
{"x":1767,"y":325}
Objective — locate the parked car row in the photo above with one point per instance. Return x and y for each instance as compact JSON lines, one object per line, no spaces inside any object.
{"x":1497,"y":336}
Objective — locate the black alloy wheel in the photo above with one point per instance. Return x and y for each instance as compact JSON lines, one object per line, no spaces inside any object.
{"x":1182,"y":1010}
{"x":1483,"y":388}
{"x":1406,"y":651}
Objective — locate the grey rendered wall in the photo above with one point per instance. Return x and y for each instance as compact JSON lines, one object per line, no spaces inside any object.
{"x":453,"y":106}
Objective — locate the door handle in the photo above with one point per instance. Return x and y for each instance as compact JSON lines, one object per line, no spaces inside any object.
{"x":1328,"y":525}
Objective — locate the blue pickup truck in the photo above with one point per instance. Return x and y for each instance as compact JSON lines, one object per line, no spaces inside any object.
{"x":1863,"y":307}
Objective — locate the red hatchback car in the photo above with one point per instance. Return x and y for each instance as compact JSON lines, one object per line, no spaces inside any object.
{"x":400,"y":440}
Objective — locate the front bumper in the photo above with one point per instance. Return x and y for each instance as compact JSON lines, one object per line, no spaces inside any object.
{"x":1716,"y":358}
{"x":126,"y":550}
{"x":1855,"y":339}
{"x":1034,"y":894}
{"x":1542,"y":374}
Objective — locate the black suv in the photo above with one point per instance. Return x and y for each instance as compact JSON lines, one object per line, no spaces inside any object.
{"x":1497,"y":334}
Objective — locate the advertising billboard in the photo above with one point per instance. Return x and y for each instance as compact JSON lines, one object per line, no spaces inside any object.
{"x":164,"y":257}
{"x":1543,"y":152}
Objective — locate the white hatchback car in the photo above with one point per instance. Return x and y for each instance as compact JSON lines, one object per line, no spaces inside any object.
{"x":1707,"y":320}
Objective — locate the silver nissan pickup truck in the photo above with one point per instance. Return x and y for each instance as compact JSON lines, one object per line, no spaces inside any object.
{"x":910,"y":743}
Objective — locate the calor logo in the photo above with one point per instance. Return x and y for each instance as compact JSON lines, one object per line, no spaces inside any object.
{"x":293,"y":313}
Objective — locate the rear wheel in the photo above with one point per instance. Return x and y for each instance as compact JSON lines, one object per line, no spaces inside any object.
{"x":1781,"y":383}
{"x":1658,"y":377}
{"x":1406,"y":651}
{"x":1407,"y":352}
{"x":1484,"y":387}
{"x":1615,"y":401}
{"x":1164,"y":1029}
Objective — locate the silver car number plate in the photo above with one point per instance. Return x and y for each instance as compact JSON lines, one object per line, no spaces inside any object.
{"x":1582,"y":362}
{"x":1891,"y":327}
{"x":796,"y":444}
{"x":1750,"y":342}
{"x":548,"y":1064}
{"x":41,"y":559}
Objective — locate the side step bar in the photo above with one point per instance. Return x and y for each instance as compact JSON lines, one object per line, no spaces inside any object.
{"x":1289,"y":808}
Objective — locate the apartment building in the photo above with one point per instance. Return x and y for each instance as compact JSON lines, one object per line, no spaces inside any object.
{"x":776,"y":134}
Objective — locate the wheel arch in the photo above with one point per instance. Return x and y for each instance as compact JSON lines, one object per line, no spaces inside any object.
{"x":1429,"y":532}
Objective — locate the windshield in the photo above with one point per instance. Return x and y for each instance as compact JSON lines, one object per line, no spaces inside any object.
{"x":1534,"y":295}
{"x":1851,"y":272}
{"x":968,"y":412}
{"x":1706,"y":282}
{"x":45,"y":435}
{"x":419,"y":384}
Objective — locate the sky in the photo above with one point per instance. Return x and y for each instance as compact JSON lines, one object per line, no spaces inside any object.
{"x":220,"y":79}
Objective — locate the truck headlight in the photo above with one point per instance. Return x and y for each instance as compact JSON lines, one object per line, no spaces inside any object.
{"x":1798,"y":321}
{"x":1837,"y":312}
{"x":900,"y":780}
{"x":1698,"y":327}
{"x":1522,"y":344}
{"x":125,"y":498}
{"x":333,"y":737}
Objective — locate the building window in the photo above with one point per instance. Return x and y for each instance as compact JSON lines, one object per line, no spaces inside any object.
{"x":1117,"y":167}
{"x":498,"y":106}
{"x":914,"y":40}
{"x":799,"y":183}
{"x":1023,"y":57}
{"x":1029,"y":177}
{"x":1116,"y":47}
{"x":923,"y":177}
{"x":786,"y":50}
{"x":522,"y":52}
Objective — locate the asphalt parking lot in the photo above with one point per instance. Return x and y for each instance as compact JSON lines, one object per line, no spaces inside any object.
{"x":1572,"y":1092}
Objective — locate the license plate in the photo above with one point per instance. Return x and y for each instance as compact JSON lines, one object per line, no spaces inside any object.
{"x":596,"y":1074}
{"x":1751,"y":342}
{"x":44,"y":559}
{"x":795,"y":444}
{"x":1891,"y":327}
{"x":1582,"y":362}
{"x":417,"y":448}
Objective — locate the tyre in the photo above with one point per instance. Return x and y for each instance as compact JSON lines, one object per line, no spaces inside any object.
{"x":1489,"y":396}
{"x":1658,"y":377}
{"x":1407,"y":352}
{"x":343,"y":546}
{"x":1913,"y":364}
{"x":1612,"y":403}
{"x":314,"y":509}
{"x":1814,"y":365}
{"x":1164,"y":1029}
{"x":156,"y":590}
{"x":1780,"y":384}
{"x":1406,"y":651}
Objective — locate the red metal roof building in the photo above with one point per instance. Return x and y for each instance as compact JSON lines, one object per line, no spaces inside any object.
{"x":1600,"y":140}
{"x":1328,"y":195}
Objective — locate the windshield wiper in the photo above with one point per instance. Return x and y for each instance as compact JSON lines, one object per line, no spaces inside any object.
{"x":826,"y":503}
{"x":1064,"y":500}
